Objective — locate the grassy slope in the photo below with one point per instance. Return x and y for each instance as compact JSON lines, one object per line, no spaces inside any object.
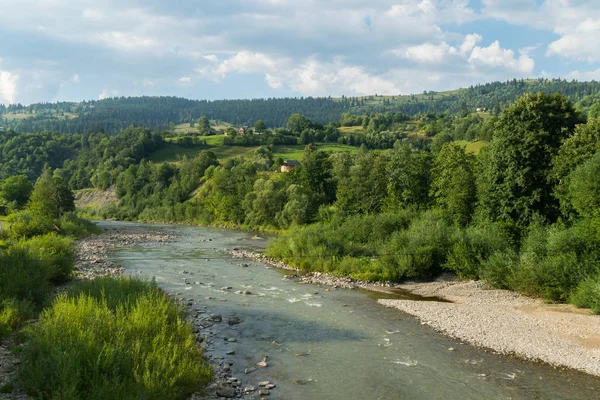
{"x":474,"y":147}
{"x":172,"y":152}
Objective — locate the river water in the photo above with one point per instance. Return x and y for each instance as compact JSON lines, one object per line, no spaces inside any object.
{"x":337,"y":344}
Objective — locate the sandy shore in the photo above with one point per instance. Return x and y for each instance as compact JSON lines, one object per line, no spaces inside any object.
{"x":508,"y":323}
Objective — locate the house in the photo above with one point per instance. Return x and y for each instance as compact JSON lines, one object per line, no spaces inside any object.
{"x":289,"y":165}
{"x":243,"y":130}
{"x":482,"y":109}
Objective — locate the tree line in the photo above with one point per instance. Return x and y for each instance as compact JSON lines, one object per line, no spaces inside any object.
{"x":112,"y":115}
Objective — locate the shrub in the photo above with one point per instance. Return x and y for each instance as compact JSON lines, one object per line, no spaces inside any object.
{"x":72,"y":225}
{"x":418,"y":252}
{"x":554,"y":261}
{"x":25,"y":224}
{"x":82,"y":349}
{"x":52,"y":252}
{"x":472,"y":246}
{"x":13,"y":313}
{"x":587,"y":294}
{"x":22,"y":277}
{"x":499,"y":267}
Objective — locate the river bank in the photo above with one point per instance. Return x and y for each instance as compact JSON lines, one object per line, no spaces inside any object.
{"x":500,"y":320}
{"x":93,"y":261}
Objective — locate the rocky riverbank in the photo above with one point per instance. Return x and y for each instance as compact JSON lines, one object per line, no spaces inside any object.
{"x":503,"y":321}
{"x":316,"y":278}
{"x":92,"y":261}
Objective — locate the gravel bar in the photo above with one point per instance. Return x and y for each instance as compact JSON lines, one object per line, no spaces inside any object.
{"x":508,"y":323}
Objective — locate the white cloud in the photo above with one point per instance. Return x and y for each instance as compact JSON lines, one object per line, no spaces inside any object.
{"x":92,"y":14}
{"x":470,"y":41}
{"x":312,"y":77}
{"x":496,"y":57}
{"x":429,"y":53}
{"x":127,"y":42}
{"x":8,"y":87}
{"x":185,"y":79}
{"x":577,"y":22}
{"x":585,"y":75}
{"x":243,"y":62}
{"x":107,"y":93}
{"x":76,"y":79}
{"x":211,"y":58}
{"x":579,"y":44}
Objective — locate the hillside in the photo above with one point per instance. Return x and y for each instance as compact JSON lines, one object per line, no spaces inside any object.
{"x":115,"y":114}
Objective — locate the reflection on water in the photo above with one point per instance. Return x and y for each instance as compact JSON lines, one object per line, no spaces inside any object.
{"x":337,"y":344}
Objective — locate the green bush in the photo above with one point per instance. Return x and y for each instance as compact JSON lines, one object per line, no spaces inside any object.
{"x":72,"y":225}
{"x":83,"y":349}
{"x":472,"y":247}
{"x":497,"y":270}
{"x":420,"y":251}
{"x":554,"y":261}
{"x":23,"y":278}
{"x":587,"y":294}
{"x":13,"y":313}
{"x":52,"y":252}
{"x":343,"y":245}
{"x":25,"y":224}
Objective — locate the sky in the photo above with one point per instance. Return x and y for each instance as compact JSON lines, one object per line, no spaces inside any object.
{"x":73,"y":50}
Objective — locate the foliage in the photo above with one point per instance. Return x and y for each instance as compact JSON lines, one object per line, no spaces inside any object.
{"x":587,"y":294}
{"x":51,"y":252}
{"x":15,"y":191}
{"x":517,"y":173}
{"x":141,"y":350}
{"x":13,"y":314}
{"x":453,"y":182}
{"x":110,"y":116}
{"x":23,"y":277}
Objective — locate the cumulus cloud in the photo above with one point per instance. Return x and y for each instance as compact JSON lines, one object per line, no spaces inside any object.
{"x":429,"y":53}
{"x":107,"y":93}
{"x":495,"y":56}
{"x":580,"y":43}
{"x":585,"y":75}
{"x":577,"y":22}
{"x":8,"y":87}
{"x":308,"y":47}
{"x":311,"y":77}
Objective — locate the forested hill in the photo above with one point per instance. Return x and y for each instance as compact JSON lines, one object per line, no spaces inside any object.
{"x":113,"y":115}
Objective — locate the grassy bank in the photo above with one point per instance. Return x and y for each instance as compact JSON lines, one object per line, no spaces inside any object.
{"x":103,"y":339}
{"x":113,"y":339}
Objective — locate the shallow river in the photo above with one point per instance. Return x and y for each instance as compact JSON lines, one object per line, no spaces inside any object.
{"x":337,"y":344}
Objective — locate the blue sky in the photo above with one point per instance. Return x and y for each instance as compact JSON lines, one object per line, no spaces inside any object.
{"x":76,"y":50}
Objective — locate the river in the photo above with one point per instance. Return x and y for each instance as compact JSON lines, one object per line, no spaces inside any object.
{"x":337,"y":344}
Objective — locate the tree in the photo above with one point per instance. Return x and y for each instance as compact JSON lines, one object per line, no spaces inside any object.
{"x":297,"y":208}
{"x":15,"y":191}
{"x":584,"y":187}
{"x":297,"y":123}
{"x":453,"y":182}
{"x":517,"y":180}
{"x":575,"y":151}
{"x":203,"y":126}
{"x":51,"y":197}
{"x":408,"y":178}
{"x":260,"y":126}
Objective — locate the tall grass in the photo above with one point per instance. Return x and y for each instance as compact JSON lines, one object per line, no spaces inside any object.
{"x":114,"y":339}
